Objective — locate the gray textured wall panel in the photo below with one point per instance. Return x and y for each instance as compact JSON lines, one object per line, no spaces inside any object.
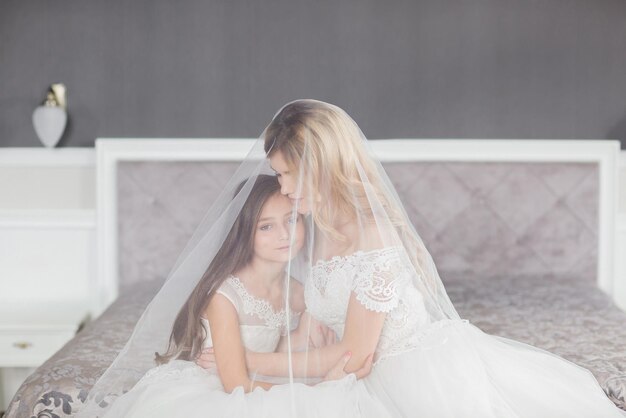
{"x":466,"y":69}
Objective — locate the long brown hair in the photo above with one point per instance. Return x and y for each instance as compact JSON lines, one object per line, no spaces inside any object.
{"x":188,"y":331}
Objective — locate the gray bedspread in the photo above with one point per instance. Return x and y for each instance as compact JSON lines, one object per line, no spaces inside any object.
{"x":568,"y":317}
{"x":571,"y":318}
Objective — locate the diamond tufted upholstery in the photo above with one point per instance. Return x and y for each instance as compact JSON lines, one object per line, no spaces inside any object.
{"x":504,"y":218}
{"x":480,"y":219}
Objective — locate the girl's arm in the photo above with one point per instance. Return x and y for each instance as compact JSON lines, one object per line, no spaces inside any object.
{"x":229,"y":353}
{"x":362,"y":332}
{"x":227,"y":345}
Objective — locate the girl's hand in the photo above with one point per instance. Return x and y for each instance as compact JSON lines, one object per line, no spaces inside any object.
{"x":206,"y":359}
{"x":338,"y":372}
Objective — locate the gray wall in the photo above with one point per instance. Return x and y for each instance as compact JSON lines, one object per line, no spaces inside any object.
{"x":413,"y":68}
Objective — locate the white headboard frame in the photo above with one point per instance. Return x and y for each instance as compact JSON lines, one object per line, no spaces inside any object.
{"x":603,"y":152}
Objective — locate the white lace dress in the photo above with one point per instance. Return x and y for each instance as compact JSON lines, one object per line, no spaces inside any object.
{"x":183,"y":389}
{"x":447,"y":368}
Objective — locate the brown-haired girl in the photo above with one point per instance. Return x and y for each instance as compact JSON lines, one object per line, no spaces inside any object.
{"x":239,"y":305}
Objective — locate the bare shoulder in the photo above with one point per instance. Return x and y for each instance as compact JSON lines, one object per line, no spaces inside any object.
{"x":220,"y":306}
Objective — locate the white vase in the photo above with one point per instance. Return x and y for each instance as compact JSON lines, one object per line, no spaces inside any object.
{"x":49,"y":123}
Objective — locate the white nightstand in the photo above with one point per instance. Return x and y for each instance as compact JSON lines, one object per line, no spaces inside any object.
{"x":47,"y":255}
{"x":31,"y":332}
{"x":29,"y":335}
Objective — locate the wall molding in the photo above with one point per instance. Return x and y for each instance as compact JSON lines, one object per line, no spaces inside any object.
{"x":44,"y":157}
{"x":48,"y":218}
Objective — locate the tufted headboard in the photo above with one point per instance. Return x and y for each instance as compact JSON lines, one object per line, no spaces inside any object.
{"x":517,"y":211}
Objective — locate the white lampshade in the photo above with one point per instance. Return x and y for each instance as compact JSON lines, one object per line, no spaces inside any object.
{"x":49,"y":123}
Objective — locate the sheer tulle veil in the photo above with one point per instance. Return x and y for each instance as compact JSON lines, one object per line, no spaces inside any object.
{"x":341,"y":193}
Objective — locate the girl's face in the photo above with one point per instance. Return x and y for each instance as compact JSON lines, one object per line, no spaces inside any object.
{"x":272,"y":237}
{"x":289,"y":186}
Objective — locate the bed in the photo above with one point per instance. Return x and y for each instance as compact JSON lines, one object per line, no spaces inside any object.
{"x":520,"y":231}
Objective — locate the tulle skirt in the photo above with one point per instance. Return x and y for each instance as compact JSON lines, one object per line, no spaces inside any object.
{"x":459,"y":371}
{"x":182,"y":389}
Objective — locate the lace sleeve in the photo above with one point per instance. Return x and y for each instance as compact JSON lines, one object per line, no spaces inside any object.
{"x":380,"y":279}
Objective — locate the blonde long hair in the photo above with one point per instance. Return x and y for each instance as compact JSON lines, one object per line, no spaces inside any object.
{"x":326,"y":144}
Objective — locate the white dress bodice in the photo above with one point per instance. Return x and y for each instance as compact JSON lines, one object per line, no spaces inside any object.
{"x":258,"y":338}
{"x":382,"y":281}
{"x":260,"y":325}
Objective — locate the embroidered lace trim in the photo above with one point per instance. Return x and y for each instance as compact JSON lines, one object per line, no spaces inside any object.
{"x":381,"y":281}
{"x":379,"y":276}
{"x":261,"y":307}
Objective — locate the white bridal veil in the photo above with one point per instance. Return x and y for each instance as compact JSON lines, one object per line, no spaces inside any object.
{"x":344,"y":199}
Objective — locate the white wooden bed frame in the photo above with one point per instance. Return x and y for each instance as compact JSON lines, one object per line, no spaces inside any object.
{"x":603,"y":152}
